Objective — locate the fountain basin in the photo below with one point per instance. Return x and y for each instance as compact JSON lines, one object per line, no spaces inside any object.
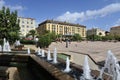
{"x":19,"y":47}
{"x":40,"y":69}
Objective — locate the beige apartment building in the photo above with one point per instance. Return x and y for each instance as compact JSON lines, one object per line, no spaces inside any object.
{"x":115,"y":30}
{"x":26,"y":24}
{"x":96,"y":31}
{"x":63,"y":28}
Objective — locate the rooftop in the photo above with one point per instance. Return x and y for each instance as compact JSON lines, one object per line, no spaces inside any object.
{"x":63,"y":23}
{"x":115,"y":27}
{"x":26,"y":18}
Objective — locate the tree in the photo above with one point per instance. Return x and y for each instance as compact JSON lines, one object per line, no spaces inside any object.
{"x":97,"y":38}
{"x":100,"y":33}
{"x":94,"y":37}
{"x":9,"y":25}
{"x":44,"y":41}
{"x":77,"y":37}
{"x":52,"y":35}
{"x":90,"y":37}
{"x":108,"y":37}
{"x":32,"y":33}
{"x":107,"y":33}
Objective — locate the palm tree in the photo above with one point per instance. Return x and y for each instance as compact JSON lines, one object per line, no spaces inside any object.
{"x":32,"y":33}
{"x":100,"y":33}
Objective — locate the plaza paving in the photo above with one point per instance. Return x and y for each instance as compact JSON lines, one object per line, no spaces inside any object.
{"x":97,"y":50}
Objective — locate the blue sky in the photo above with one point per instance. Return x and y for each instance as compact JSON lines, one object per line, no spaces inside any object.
{"x":91,"y":13}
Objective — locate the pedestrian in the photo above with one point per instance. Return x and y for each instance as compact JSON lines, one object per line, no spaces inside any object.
{"x":75,"y":45}
{"x":66,"y":43}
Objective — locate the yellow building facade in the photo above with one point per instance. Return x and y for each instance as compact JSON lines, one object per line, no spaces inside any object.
{"x":63,"y":28}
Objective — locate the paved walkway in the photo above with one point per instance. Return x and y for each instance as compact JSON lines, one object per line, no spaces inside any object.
{"x":97,"y":50}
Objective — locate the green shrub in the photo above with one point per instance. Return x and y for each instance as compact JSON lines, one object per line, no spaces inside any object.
{"x":44,"y":41}
{"x":94,"y":37}
{"x":76,"y":37}
{"x":23,"y":41}
{"x":109,"y":37}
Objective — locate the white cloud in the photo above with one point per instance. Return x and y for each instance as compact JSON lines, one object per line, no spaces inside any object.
{"x":117,"y":23}
{"x":17,"y":7}
{"x":71,"y":17}
{"x":2,"y":3}
{"x":14,"y":7}
{"x":90,"y":14}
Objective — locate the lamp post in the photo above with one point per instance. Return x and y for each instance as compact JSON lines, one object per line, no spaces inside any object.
{"x":93,"y":33}
{"x":36,"y":40}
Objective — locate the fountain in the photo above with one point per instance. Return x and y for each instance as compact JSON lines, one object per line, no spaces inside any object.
{"x":86,"y":71}
{"x":43,"y":53}
{"x":17,"y":43}
{"x":28,"y":50}
{"x":4,"y":40}
{"x":0,"y":48}
{"x":118,"y":74}
{"x":6,"y":45}
{"x":67,"y":69}
{"x":39,"y":51}
{"x":55,"y":56}
{"x":101,"y":74}
{"x":49,"y":56}
{"x":111,"y":66}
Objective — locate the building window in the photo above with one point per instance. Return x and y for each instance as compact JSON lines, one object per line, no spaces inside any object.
{"x":61,"y":29}
{"x":73,"y":29}
{"x":53,"y":28}
{"x":48,"y":27}
{"x":22,"y":30}
{"x":83,"y":32}
{"x":27,"y":22}
{"x":31,"y":26}
{"x":31,"y":21}
{"x":22,"y":21}
{"x":23,"y":26}
{"x":65,"y":30}
{"x":27,"y":26}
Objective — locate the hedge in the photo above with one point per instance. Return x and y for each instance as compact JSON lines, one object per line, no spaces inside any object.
{"x":27,"y":41}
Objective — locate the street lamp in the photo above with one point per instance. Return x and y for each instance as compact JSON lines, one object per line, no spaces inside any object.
{"x":36,"y":41}
{"x":93,"y":33}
